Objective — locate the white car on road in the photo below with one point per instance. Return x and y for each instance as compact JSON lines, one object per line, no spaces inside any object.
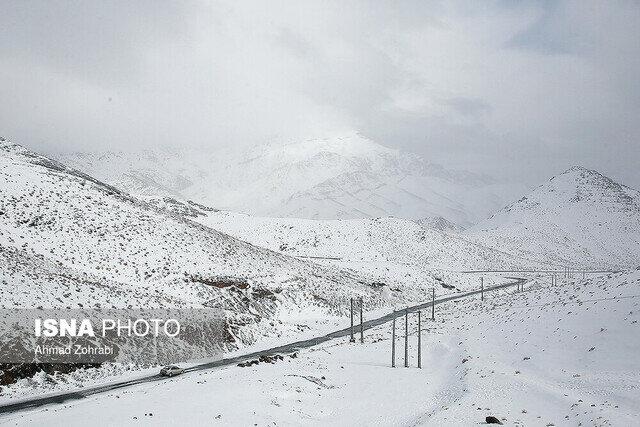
{"x":171,"y":370}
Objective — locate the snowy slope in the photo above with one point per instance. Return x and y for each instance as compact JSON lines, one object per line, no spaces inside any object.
{"x":579,"y":217}
{"x":342,"y":177}
{"x":67,"y":240}
{"x":390,"y":250}
{"x":549,"y":356}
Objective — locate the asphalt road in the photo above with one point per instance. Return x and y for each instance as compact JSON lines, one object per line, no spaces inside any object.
{"x":287,"y":348}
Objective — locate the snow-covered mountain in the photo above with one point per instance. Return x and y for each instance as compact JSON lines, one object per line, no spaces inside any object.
{"x":335,"y":178}
{"x":69,"y":241}
{"x":579,"y":217}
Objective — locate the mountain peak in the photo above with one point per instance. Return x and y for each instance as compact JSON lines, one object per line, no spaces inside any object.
{"x":348,"y":145}
{"x":582,"y":173}
{"x":589,"y":184}
{"x":577,"y":168}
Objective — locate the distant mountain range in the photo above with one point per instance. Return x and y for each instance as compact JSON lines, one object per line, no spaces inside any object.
{"x":580,"y":219}
{"x":335,"y":178}
{"x":579,"y":216}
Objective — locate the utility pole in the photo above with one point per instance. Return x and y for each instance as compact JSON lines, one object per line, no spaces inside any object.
{"x":481,"y":288}
{"x":351,"y":329}
{"x":393,"y":343}
{"x":433,"y":303}
{"x":361,"y":325}
{"x":419,"y":342}
{"x":406,"y":337}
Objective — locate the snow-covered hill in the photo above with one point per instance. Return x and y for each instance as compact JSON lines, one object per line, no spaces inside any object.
{"x":390,"y":250}
{"x":579,"y":217}
{"x":67,"y":240}
{"x":335,"y":178}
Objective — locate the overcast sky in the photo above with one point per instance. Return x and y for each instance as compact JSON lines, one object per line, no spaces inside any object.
{"x":518,"y":89}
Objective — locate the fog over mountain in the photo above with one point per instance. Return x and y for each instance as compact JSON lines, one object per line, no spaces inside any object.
{"x":343,"y":177}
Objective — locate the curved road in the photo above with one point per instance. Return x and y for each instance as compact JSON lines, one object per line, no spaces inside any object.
{"x":287,"y":348}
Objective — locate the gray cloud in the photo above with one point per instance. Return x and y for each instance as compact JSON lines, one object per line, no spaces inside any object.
{"x":516,"y":89}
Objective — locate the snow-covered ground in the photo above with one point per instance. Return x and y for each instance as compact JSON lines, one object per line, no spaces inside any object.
{"x":551,"y":355}
{"x":395,"y":251}
{"x":293,"y":325}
